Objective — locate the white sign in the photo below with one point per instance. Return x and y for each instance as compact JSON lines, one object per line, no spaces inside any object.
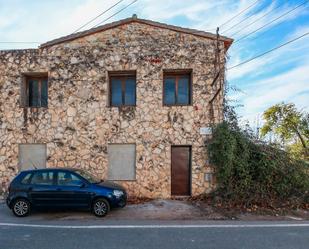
{"x":205,"y":131}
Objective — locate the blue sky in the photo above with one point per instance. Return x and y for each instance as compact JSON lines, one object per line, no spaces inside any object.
{"x":279,"y":76}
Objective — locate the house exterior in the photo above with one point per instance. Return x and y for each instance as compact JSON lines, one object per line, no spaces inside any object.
{"x":128,"y":101}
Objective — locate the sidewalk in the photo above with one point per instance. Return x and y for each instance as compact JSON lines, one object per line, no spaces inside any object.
{"x":154,"y":210}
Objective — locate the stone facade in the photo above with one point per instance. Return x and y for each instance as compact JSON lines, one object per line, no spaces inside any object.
{"x":79,"y":124}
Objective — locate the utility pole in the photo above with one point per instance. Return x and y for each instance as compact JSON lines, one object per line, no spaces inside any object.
{"x":215,"y":87}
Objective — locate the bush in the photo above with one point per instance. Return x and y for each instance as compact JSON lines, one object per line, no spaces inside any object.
{"x":250,"y":172}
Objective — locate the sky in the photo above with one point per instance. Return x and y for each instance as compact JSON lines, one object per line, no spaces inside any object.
{"x":280,"y":76}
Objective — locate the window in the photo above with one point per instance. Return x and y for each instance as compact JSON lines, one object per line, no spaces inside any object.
{"x":42,"y":178}
{"x":35,"y":93}
{"x":121,"y":161}
{"x":177,"y":88}
{"x":26,"y":179}
{"x":122,"y":89}
{"x":89,"y":177}
{"x":68,"y":179}
{"x":32,"y":156}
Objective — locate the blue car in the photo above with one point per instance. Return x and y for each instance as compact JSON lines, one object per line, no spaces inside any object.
{"x":63,"y":188}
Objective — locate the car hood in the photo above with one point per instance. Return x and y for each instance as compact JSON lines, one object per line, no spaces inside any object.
{"x":109,"y":184}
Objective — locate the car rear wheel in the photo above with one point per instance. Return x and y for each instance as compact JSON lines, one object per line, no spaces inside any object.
{"x":21,"y":207}
{"x":100,"y":207}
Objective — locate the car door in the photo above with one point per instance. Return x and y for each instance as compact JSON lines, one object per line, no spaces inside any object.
{"x":72,"y":190}
{"x":42,"y":188}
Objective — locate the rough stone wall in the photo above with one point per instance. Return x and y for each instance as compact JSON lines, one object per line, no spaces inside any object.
{"x":78,"y":123}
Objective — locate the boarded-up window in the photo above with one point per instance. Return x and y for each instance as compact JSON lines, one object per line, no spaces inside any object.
{"x":121,"y":161}
{"x":32,"y":156}
{"x":35,"y":91}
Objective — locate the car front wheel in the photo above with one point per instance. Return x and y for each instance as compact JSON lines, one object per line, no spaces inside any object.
{"x":100,"y":207}
{"x":21,"y":207}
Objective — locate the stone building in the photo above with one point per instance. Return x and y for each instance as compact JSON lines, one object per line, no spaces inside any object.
{"x":129,"y":101}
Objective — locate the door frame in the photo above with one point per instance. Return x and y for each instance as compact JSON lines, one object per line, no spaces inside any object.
{"x":190,"y":167}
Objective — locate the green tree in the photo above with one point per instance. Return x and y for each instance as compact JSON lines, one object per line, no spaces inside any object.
{"x":288,"y":123}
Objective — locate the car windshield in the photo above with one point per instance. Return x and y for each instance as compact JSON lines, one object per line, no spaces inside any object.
{"x":89,"y":177}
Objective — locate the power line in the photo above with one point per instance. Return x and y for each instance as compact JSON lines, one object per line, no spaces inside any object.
{"x":244,"y":19}
{"x":239,"y":13}
{"x":286,"y":13}
{"x":17,"y":42}
{"x":271,"y":50}
{"x":12,"y":42}
{"x":114,"y":14}
{"x":102,"y":13}
{"x":257,"y":20}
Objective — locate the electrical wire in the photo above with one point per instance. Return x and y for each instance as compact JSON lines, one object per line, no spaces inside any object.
{"x":114,"y":14}
{"x":12,"y":42}
{"x":265,"y":25}
{"x":243,"y":28}
{"x":102,"y":13}
{"x":244,"y":19}
{"x":8,"y":42}
{"x":268,"y":51}
{"x":239,"y":13}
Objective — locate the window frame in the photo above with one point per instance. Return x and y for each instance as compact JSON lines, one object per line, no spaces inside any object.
{"x":25,"y":93}
{"x":83,"y":181}
{"x":27,"y":182}
{"x":177,"y":74}
{"x":42,"y":171}
{"x":123,"y":76}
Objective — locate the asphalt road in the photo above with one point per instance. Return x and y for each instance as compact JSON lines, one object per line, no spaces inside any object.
{"x":85,"y":231}
{"x":154,"y":235}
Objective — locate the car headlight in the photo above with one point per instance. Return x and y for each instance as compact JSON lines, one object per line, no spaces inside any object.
{"x":118,"y":193}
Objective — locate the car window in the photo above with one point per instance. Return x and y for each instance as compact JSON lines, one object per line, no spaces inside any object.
{"x":26,"y":178}
{"x":42,"y":178}
{"x":68,"y":179}
{"x":90,"y":178}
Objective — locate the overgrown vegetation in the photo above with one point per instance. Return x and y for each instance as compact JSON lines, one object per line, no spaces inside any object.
{"x":251,"y":172}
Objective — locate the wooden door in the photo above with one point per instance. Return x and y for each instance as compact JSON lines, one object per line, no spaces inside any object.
{"x":181,"y":170}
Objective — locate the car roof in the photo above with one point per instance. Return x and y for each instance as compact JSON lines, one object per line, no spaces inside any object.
{"x":51,"y":169}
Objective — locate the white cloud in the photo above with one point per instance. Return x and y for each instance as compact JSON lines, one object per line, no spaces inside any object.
{"x":42,"y":24}
{"x":291,"y":86}
{"x":272,"y":87}
{"x":271,"y":13}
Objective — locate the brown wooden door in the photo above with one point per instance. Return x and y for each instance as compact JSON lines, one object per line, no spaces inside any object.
{"x":181,"y":172}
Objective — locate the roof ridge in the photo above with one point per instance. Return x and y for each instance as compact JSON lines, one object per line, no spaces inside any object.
{"x":227,"y":41}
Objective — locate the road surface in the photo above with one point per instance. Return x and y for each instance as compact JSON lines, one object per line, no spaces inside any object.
{"x":155,"y":234}
{"x":85,"y":231}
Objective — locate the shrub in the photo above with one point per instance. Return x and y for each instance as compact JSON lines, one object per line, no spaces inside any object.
{"x":251,"y":172}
